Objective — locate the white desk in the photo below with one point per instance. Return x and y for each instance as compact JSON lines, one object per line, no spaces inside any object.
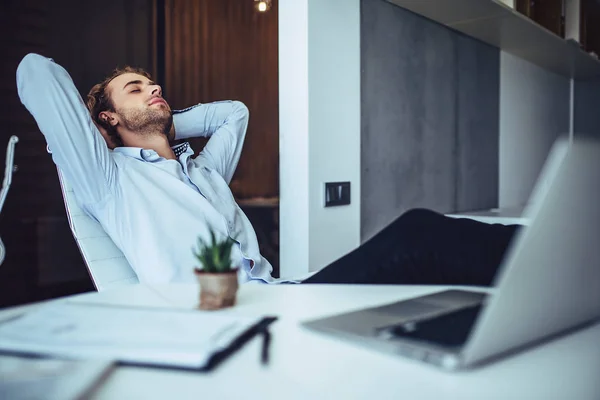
{"x":308,"y":365}
{"x":506,"y":216}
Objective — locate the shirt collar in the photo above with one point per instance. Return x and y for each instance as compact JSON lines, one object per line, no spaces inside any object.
{"x":150,"y":155}
{"x":181,"y":148}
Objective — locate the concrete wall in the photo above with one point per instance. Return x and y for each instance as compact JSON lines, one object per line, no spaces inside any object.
{"x":429,"y":117}
{"x":534,"y":112}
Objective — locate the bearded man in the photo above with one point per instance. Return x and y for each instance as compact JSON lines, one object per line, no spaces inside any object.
{"x":155,"y":200}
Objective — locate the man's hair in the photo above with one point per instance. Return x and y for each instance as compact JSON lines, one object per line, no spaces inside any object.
{"x":98,"y":100}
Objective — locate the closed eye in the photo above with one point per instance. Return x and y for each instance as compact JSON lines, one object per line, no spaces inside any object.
{"x":135,"y":90}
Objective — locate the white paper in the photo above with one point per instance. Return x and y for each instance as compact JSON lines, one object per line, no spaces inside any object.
{"x":154,"y":336}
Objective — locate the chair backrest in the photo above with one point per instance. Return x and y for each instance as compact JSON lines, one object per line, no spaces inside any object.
{"x":8,"y":172}
{"x":105,"y":262}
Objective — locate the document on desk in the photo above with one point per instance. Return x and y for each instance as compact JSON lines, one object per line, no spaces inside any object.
{"x":170,"y":338}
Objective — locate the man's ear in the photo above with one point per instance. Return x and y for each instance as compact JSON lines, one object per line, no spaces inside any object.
{"x":107,"y":138}
{"x":108,"y":118}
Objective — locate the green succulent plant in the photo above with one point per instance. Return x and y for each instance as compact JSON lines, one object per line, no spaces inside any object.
{"x":214,"y":256}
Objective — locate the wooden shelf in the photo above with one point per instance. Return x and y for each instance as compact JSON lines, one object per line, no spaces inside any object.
{"x":259,"y":202}
{"x":499,"y":25}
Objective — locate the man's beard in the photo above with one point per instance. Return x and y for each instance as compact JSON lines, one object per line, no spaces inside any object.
{"x":146,"y":122}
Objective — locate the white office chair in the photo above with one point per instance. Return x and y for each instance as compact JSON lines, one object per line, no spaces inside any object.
{"x":8,"y":173}
{"x":105,"y":262}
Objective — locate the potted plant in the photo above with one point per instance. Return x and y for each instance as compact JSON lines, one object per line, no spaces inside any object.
{"x":218,"y":279}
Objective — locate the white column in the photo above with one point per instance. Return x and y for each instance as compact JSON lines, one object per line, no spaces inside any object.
{"x":293,"y":137}
{"x":319,"y":111}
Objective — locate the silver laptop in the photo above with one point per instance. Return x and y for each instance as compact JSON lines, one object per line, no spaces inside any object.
{"x":548,"y":284}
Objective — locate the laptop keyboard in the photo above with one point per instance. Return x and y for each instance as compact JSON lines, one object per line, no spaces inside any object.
{"x":448,"y":330}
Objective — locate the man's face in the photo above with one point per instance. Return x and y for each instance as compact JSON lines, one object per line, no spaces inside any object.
{"x":139,"y":106}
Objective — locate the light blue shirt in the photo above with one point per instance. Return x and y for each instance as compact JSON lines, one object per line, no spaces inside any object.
{"x":154,"y":209}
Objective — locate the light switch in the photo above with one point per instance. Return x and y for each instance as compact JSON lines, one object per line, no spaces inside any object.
{"x":337,"y":194}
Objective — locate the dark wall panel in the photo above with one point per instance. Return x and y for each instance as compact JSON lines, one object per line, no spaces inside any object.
{"x":218,"y":50}
{"x":89,"y":39}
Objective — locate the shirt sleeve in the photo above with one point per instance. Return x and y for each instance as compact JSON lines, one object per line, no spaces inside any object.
{"x":225,"y":123}
{"x":78,"y":148}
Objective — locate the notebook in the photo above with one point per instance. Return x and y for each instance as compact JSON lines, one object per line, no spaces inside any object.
{"x":188,"y":339}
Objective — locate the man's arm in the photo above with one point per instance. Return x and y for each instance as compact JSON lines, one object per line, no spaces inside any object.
{"x":225,"y":123}
{"x":48,"y":92}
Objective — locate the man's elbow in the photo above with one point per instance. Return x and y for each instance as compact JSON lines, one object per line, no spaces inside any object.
{"x":29,"y":64}
{"x":240,"y":110}
{"x":29,"y":70}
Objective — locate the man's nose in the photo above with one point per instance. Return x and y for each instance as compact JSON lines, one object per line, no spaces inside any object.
{"x":156,"y":89}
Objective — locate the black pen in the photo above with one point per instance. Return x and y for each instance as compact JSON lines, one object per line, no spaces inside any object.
{"x":265,"y":346}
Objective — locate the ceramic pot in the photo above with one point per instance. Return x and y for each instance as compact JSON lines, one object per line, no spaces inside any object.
{"x":217,"y":289}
